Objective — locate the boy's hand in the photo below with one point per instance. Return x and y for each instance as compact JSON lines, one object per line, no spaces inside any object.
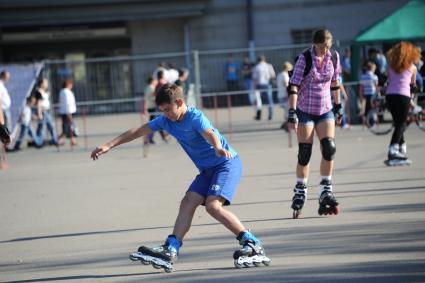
{"x":99,"y":151}
{"x":224,"y":153}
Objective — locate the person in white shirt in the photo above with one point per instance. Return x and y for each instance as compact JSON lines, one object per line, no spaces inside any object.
{"x":282,"y":82}
{"x":262,"y":74}
{"x":173,"y":74}
{"x":4,"y":131}
{"x":24,"y":121}
{"x":6,"y":102}
{"x":42,"y":97}
{"x":67,"y":107}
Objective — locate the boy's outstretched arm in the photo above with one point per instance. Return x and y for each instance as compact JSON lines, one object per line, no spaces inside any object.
{"x":123,"y":138}
{"x":212,"y":138}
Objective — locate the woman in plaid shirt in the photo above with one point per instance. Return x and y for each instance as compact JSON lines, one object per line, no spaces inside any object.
{"x":311,"y":110}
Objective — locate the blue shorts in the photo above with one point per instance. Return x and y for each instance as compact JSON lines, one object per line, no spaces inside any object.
{"x":312,"y":120}
{"x":220,"y":180}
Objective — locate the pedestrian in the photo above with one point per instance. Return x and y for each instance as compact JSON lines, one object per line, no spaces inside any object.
{"x":67,"y":107}
{"x":24,"y":122}
{"x":6,"y":101}
{"x":282,"y":82}
{"x":262,"y":75}
{"x":231,"y":70}
{"x":220,"y":169}
{"x":4,"y":131}
{"x":310,"y":110}
{"x":401,"y":75}
{"x":150,"y":108}
{"x":368,"y":89}
{"x":42,"y":97}
{"x":246,"y":72}
{"x":181,"y":81}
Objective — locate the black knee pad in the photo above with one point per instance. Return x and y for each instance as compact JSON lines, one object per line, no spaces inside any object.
{"x":304,"y":153}
{"x":328,"y":148}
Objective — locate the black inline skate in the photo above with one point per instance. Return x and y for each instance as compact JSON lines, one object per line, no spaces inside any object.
{"x":299,"y":198}
{"x":251,"y":254}
{"x":327,"y":201}
{"x":159,"y":256}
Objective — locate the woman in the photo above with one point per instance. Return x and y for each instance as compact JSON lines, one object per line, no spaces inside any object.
{"x":401,"y":75}
{"x":67,"y":107}
{"x":42,"y":97}
{"x":310,"y":110}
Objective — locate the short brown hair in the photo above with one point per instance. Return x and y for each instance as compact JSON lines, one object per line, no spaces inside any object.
{"x":168,"y":93}
{"x":321,"y":36}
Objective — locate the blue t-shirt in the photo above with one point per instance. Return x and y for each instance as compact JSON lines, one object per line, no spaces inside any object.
{"x":188,"y":133}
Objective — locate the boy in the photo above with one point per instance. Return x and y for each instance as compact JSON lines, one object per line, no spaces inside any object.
{"x":368,"y":88}
{"x":25,"y":118}
{"x":220,"y":171}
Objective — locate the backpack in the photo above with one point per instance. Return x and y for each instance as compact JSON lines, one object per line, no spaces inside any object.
{"x":309,"y":62}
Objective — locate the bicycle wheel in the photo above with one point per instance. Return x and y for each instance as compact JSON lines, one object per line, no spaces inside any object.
{"x":379,"y":122}
{"x":420,"y":120}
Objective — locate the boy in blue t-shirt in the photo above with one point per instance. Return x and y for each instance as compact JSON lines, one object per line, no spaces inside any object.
{"x":220,"y":171}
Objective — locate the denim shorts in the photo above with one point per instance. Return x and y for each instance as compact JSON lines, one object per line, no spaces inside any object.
{"x":221,"y":180}
{"x":312,"y":120}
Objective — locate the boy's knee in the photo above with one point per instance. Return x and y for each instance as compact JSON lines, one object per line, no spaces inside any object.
{"x":213,"y":207}
{"x":189,"y":202}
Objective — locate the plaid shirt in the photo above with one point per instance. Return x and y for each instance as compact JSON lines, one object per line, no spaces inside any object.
{"x":313,"y":94}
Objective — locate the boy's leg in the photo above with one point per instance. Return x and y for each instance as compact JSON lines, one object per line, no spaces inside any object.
{"x":214,"y":206}
{"x":187,"y":209}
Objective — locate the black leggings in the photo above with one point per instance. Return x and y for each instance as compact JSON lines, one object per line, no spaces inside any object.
{"x":399,"y":108}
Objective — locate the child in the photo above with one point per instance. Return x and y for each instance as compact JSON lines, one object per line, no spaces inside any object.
{"x":25,"y":123}
{"x":220,"y":171}
{"x":368,"y":88}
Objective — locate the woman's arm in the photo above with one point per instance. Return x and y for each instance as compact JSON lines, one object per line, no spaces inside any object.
{"x":126,"y":137}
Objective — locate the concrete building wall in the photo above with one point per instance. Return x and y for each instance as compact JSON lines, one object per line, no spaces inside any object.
{"x":274,"y":19}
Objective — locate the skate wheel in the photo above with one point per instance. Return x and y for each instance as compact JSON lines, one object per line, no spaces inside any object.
{"x":247,"y":265}
{"x":238,"y":265}
{"x":156,"y":266}
{"x":168,"y":270}
{"x":257,"y":264}
{"x":132,"y":258}
{"x":267,"y":262}
{"x":336,"y":210}
{"x":296,"y":214}
{"x":145,"y":262}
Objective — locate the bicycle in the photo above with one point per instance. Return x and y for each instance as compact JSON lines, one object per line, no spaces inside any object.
{"x":379,"y":119}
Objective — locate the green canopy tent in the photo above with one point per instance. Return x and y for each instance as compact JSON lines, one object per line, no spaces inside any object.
{"x":407,"y":23}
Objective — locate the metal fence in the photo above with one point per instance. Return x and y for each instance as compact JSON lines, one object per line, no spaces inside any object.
{"x":124,"y":78}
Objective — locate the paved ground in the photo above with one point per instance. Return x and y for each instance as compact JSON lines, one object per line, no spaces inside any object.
{"x":64,"y":218}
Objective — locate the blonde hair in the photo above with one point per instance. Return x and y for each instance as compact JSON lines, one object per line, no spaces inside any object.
{"x":287,"y":66}
{"x":402,"y":56}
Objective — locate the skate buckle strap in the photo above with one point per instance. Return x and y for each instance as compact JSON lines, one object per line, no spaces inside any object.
{"x":300,"y":191}
{"x":324,"y":194}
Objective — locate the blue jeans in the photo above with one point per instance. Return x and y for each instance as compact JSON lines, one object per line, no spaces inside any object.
{"x":46,"y":120}
{"x":267,"y":93}
{"x":27,"y":129}
{"x":312,"y":120}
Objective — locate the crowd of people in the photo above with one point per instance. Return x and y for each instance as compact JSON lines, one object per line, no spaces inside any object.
{"x":37,"y":107}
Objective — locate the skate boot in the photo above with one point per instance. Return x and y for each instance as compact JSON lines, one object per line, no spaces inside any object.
{"x":397,"y":156}
{"x":298,"y":200}
{"x":327,"y":201}
{"x":251,"y":254}
{"x":159,"y":256}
